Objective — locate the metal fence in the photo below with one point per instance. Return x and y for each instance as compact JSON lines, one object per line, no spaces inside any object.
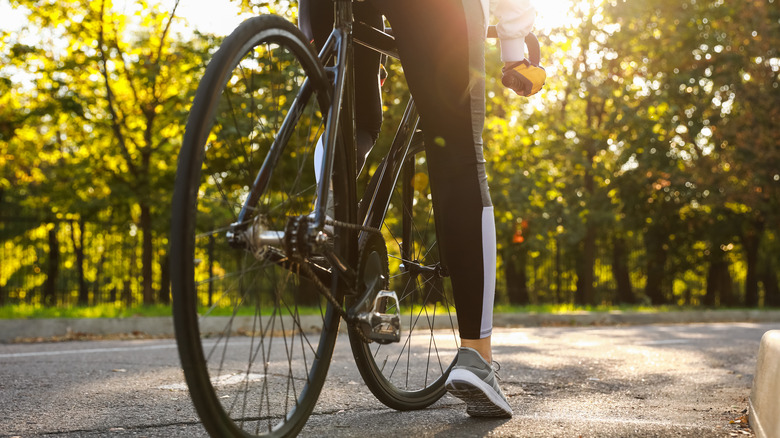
{"x":54,"y":262}
{"x":58,"y":262}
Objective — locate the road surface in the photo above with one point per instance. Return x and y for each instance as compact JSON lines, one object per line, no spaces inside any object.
{"x":656,"y":380}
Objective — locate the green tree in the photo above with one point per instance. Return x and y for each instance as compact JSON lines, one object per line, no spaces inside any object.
{"x":713,"y":69}
{"x":107,"y":97}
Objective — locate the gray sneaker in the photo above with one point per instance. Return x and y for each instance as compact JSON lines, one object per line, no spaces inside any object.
{"x":474,"y":381}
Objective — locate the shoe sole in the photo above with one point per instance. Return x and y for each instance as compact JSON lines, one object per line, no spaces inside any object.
{"x":481,"y":399}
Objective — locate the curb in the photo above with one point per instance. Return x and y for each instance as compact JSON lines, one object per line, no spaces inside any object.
{"x":764,"y":414}
{"x":633,"y":318}
{"x":16,"y":330}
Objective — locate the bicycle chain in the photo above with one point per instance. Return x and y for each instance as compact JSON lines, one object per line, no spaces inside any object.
{"x":350,"y":226}
{"x":324,"y":290}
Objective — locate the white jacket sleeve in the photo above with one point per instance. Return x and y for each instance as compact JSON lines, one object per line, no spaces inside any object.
{"x":515,"y":20}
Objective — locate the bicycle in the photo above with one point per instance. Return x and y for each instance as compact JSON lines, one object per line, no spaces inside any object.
{"x":289,"y":258}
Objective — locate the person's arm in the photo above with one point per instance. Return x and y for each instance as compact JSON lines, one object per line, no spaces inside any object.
{"x":515,"y":21}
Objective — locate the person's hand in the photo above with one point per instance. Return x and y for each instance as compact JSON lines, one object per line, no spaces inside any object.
{"x":523,"y":78}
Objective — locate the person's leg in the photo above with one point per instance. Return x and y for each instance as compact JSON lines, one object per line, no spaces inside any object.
{"x":483,"y":346}
{"x":441,"y":43}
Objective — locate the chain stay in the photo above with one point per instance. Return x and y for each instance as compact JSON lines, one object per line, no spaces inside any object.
{"x":300,"y":260}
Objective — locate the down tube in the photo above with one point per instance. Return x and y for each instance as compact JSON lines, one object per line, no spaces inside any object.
{"x":339,"y":43}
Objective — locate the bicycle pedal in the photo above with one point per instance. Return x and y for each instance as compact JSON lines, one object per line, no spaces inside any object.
{"x":382,"y":324}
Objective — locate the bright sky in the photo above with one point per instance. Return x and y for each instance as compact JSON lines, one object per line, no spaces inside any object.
{"x":551,"y":13}
{"x":9,"y":18}
{"x":214,"y":16}
{"x":221,"y":16}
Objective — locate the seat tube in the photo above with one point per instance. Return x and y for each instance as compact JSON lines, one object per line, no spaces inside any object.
{"x":344,"y":22}
{"x":341,"y":121}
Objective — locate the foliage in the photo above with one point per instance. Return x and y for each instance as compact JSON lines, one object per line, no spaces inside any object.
{"x":645,"y":172}
{"x":95,"y":114}
{"x":654,"y":129}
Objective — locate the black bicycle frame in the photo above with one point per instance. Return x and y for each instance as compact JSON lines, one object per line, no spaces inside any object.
{"x":339,"y":136}
{"x":340,"y":126}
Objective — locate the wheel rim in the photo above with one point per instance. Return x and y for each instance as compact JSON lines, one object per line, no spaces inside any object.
{"x":263,"y":335}
{"x":411,"y":373}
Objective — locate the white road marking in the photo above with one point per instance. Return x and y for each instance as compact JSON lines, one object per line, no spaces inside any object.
{"x":667,"y":342}
{"x":232,"y":343}
{"x":87,"y":351}
{"x":223,"y":380}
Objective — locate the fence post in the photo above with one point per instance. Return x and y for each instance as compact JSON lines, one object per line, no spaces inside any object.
{"x":211,"y":268}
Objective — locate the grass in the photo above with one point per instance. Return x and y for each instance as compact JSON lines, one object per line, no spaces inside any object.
{"x":573,"y":308}
{"x":28,"y":311}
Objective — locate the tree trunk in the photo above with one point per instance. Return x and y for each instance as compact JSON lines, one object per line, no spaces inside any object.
{"x":771,"y":289}
{"x":620,"y":271}
{"x":53,"y":269}
{"x":147,"y":255}
{"x":514,"y":269}
{"x":720,"y":287}
{"x":712,"y":275}
{"x":559,"y":296}
{"x":164,"y":295}
{"x":127,"y":294}
{"x":656,"y":261}
{"x":78,"y":249}
{"x":98,"y":294}
{"x":726,"y":287}
{"x":586,"y":293}
{"x":751,"y":240}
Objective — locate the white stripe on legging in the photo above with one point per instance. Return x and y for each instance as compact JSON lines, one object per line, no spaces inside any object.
{"x":489,"y":270}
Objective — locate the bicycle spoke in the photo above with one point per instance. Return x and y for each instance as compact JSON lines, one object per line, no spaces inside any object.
{"x":259,"y":368}
{"x":411,"y":373}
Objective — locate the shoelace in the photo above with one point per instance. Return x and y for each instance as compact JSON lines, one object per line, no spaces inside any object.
{"x":496,"y":367}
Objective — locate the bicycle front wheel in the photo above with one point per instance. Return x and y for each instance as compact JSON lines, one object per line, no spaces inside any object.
{"x":254,"y":332}
{"x":411,"y":374}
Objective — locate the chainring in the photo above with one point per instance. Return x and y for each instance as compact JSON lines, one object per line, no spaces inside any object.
{"x":373,"y":271}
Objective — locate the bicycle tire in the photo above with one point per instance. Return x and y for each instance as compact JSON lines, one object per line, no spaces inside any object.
{"x":411,"y":374}
{"x":260,"y":374}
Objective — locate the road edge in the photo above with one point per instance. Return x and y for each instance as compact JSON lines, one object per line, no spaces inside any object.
{"x":26,"y":330}
{"x":764,"y":406}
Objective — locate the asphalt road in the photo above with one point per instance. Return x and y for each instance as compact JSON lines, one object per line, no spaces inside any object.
{"x":661,"y":380}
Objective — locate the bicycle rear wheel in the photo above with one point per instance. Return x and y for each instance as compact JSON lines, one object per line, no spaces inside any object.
{"x":255,"y":335}
{"x":411,"y":374}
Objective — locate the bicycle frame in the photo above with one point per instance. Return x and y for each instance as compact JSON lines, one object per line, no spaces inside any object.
{"x":347,"y":32}
{"x":340,"y":43}
{"x":341,"y":121}
{"x":339,"y":138}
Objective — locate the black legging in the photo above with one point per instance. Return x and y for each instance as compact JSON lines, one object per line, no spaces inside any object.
{"x":441,"y":45}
